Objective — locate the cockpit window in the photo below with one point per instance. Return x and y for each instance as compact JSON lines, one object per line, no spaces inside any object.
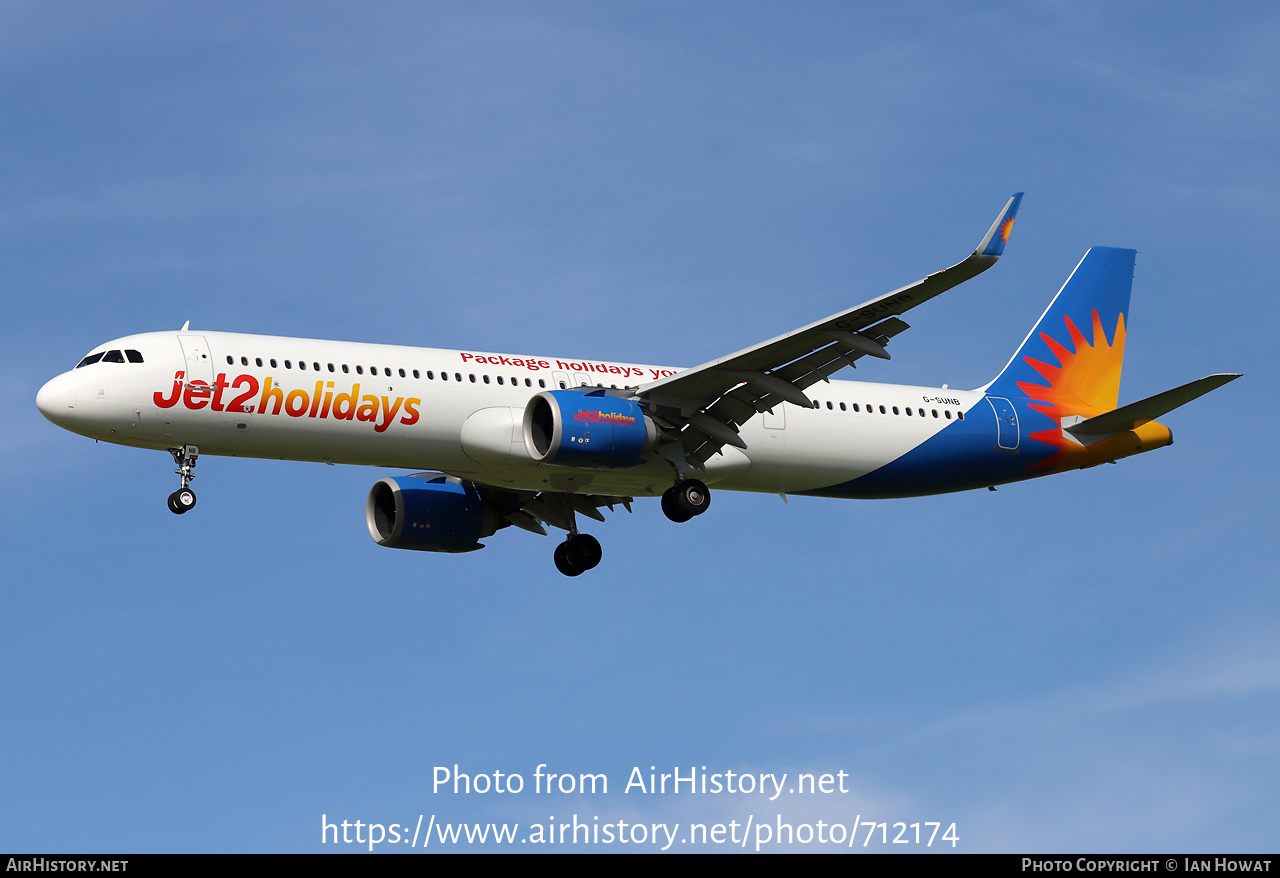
{"x":111,"y":357}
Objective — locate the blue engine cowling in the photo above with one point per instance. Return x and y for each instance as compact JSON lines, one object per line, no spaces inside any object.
{"x":429,"y":513}
{"x":577,"y":428}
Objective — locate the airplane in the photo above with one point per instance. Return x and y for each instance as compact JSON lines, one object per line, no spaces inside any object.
{"x":532,"y":441}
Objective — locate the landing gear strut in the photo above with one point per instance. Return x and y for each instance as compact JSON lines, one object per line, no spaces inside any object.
{"x":578,"y":554}
{"x":183,"y":499}
{"x":685,"y":499}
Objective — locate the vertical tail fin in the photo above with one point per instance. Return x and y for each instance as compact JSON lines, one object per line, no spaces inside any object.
{"x":1074,"y":353}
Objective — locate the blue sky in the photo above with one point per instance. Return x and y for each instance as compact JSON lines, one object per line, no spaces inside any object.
{"x":1086,"y":662}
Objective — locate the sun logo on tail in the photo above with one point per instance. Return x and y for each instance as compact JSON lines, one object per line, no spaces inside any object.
{"x":1005,"y":228}
{"x":1085,"y":383}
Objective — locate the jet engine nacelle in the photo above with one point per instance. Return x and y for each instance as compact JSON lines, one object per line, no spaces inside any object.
{"x":577,"y":428}
{"x":430,"y":513}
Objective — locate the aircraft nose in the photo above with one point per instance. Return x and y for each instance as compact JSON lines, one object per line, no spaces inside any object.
{"x":57,"y":399}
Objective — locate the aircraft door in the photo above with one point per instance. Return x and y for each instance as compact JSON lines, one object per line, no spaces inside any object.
{"x":199,"y":361}
{"x":1007,"y":435}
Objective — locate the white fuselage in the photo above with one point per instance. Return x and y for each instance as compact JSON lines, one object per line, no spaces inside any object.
{"x":458,"y":412}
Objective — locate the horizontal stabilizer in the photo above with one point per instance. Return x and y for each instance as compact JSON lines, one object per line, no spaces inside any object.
{"x":1135,"y":414}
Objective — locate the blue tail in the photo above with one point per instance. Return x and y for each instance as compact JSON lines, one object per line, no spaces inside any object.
{"x":1077,"y":346}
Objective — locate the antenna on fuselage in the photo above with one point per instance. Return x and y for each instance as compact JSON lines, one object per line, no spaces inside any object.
{"x":185,"y":326}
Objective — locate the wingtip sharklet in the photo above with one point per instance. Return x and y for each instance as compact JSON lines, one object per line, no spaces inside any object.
{"x":998,"y":235}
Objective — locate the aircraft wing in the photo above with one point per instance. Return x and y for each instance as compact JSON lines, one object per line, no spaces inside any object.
{"x":708,"y":403}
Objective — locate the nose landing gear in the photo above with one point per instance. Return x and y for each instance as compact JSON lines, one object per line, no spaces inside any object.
{"x":685,"y":499}
{"x":183,"y":499}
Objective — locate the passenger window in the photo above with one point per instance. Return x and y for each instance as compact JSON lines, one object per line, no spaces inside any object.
{"x":317,"y":366}
{"x":359,"y":370}
{"x":499,"y":379}
{"x":908,"y":412}
{"x":882,"y":411}
{"x":273,"y":364}
{"x":244,"y":361}
{"x":346,"y":369}
{"x":528,"y":382}
{"x":829,"y":405}
{"x":947,"y":412}
{"x":431,"y":375}
{"x":542,"y":382}
{"x":89,"y":360}
{"x":134,"y":356}
{"x":935,"y":413}
{"x":842,"y":408}
{"x":960,"y":415}
{"x":415,"y":374}
{"x":855,"y":407}
{"x":402,"y":373}
{"x":330,"y":365}
{"x":302,"y":364}
{"x":486,"y":379}
{"x":457,"y":376}
{"x":562,"y":385}
{"x":113,"y":357}
{"x":288,"y":364}
{"x":473,"y":378}
{"x":444,"y":376}
{"x":230,"y":362}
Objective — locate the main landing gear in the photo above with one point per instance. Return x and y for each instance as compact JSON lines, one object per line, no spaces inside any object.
{"x":183,"y":499}
{"x":685,"y":499}
{"x":578,"y":554}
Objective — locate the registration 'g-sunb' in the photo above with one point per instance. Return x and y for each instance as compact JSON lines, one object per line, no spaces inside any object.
{"x":535,"y":441}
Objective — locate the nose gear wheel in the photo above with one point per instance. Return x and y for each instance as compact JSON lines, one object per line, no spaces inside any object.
{"x":182,"y":500}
